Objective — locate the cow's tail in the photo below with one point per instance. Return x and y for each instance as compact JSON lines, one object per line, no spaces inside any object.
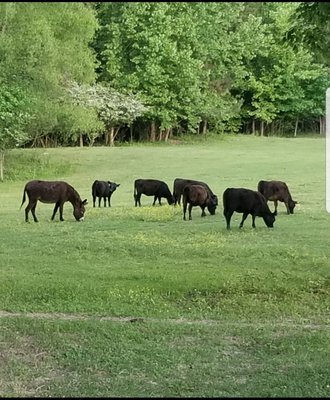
{"x":261,"y":186}
{"x":135,"y":191}
{"x":24,"y":197}
{"x":94,"y":188}
{"x":224,"y":198}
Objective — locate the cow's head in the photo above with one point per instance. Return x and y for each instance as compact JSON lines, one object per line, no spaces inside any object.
{"x":113,"y":186}
{"x":269,"y":219}
{"x":171,"y":199}
{"x":212,"y":205}
{"x":292,"y":205}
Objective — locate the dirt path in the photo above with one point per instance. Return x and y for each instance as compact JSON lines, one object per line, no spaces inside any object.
{"x":86,"y":317}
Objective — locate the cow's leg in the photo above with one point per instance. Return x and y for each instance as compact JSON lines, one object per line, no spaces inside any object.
{"x":155,"y":198}
{"x":244,"y":218}
{"x":100,"y":198}
{"x":287,"y":207}
{"x":203,"y":211}
{"x":228,"y":215}
{"x":184,"y":209}
{"x":61,"y":212}
{"x":159,"y":200}
{"x":253,"y":221}
{"x":137,"y":198}
{"x":179,"y":199}
{"x":109,"y":201}
{"x":55,"y":210}
{"x":189,"y":209}
{"x":275,"y":204}
{"x":105,"y":201}
{"x":94,"y":198}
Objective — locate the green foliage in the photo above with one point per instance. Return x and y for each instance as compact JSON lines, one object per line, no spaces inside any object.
{"x":13,"y":117}
{"x":43,"y":46}
{"x":284,"y":81}
{"x":310,"y":25}
{"x":167,"y":68}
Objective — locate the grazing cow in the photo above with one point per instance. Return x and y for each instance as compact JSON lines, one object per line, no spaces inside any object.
{"x":196,"y":195}
{"x":277,"y":191}
{"x":152,"y":187}
{"x":57,"y":192}
{"x":103,"y":189}
{"x":180,"y":183}
{"x":246,"y":201}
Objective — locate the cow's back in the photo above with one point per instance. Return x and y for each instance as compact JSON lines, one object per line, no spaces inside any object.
{"x":149,"y":187}
{"x":196,"y":194}
{"x":180,"y":183}
{"x":243,"y":200}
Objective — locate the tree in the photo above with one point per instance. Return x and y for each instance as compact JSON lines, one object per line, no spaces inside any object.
{"x":148,"y":48}
{"x":310,"y":25}
{"x":113,"y":108}
{"x":13,"y":118}
{"x":42,"y":47}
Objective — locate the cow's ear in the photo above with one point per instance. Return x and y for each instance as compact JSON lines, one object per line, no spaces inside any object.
{"x":118,"y":184}
{"x":85,"y":202}
{"x":274,"y":213}
{"x":296,"y":202}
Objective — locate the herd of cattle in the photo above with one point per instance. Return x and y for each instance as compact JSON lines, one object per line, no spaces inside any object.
{"x":193,"y":193}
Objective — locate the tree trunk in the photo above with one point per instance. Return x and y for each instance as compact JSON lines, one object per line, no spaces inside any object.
{"x":261,"y":128}
{"x":296,"y":127}
{"x":322,"y":126}
{"x":131,"y":134}
{"x":111,"y":136}
{"x":253,"y":126}
{"x":81,"y":140}
{"x":2,"y":161}
{"x":153,"y":131}
{"x":160,"y":135}
{"x":167,"y":134}
{"x":204,"y":127}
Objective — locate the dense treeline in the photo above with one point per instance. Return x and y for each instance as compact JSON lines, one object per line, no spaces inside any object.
{"x":82,"y":73}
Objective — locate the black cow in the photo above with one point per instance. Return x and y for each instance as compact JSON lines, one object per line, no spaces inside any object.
{"x":277,"y":191}
{"x":57,"y":192}
{"x":246,"y":201}
{"x":196,"y":195}
{"x":103,"y":189}
{"x":179,"y":185}
{"x":152,"y":187}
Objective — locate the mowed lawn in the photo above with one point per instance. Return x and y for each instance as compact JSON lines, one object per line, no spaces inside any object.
{"x":134,"y":301}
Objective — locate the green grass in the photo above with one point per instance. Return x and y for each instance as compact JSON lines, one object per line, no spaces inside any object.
{"x":223,"y":313}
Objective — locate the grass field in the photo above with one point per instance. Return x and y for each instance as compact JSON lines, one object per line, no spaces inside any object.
{"x":137,"y":302}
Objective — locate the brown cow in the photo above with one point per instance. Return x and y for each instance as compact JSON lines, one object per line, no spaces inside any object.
{"x":180,"y":183}
{"x":277,"y":191}
{"x":196,"y":195}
